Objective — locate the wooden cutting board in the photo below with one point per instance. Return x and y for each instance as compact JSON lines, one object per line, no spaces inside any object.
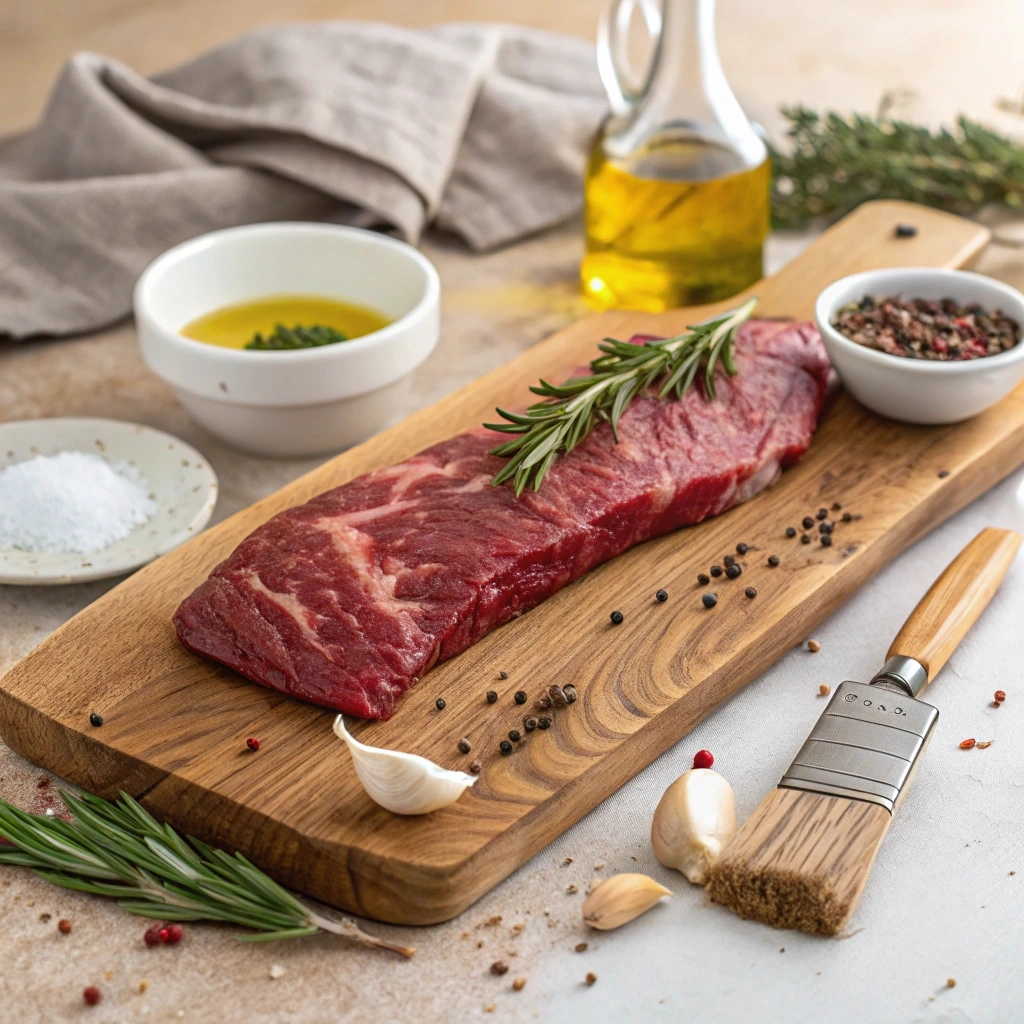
{"x":175,"y":725}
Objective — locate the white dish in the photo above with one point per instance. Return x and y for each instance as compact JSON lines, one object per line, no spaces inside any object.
{"x":181,"y":480}
{"x":286,"y":404}
{"x":919,"y":390}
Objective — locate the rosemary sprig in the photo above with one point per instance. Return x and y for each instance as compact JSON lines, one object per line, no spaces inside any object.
{"x":837,"y":162}
{"x":570,"y":410}
{"x":119,"y":850}
{"x":283,"y":339}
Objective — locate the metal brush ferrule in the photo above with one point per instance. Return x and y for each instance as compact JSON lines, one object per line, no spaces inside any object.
{"x":865,"y":745}
{"x":906,"y":673}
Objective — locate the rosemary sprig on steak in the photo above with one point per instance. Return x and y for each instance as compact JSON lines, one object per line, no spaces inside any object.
{"x":118,"y":849}
{"x":570,"y":410}
{"x":284,"y":339}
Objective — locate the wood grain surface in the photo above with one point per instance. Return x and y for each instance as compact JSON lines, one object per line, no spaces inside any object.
{"x":175,"y":725}
{"x":955,"y":600}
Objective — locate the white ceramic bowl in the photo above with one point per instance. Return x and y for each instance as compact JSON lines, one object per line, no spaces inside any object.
{"x":919,"y":390}
{"x":307,"y":402}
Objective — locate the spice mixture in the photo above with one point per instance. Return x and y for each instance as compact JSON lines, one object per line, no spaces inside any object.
{"x":927,"y":329}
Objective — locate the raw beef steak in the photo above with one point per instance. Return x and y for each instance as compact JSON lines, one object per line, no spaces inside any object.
{"x":348,"y":600}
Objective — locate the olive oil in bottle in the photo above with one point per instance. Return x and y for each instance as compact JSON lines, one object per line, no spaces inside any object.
{"x":677,"y":188}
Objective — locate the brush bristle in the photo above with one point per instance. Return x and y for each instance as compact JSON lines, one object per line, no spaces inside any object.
{"x":800,"y":861}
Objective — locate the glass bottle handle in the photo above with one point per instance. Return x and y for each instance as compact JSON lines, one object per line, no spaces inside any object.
{"x":612,"y":55}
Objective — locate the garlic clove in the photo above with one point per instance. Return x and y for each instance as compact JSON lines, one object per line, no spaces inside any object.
{"x":403,"y":783}
{"x":694,"y":822}
{"x":621,"y":898}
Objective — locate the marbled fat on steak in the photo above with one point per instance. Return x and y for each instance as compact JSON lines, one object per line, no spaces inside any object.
{"x":348,"y":600}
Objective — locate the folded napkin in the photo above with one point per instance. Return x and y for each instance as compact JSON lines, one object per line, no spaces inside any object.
{"x":481,"y":130}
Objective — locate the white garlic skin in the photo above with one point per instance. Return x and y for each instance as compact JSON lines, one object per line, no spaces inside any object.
{"x":693,"y":823}
{"x":403,"y":783}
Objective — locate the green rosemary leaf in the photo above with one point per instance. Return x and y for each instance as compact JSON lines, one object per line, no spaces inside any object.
{"x":283,"y":338}
{"x":551,"y":429}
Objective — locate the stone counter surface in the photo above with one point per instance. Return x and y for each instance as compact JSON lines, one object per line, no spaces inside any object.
{"x":946,"y":897}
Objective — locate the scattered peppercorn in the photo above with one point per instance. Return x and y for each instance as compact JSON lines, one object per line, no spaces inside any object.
{"x":529,"y":723}
{"x":710,"y":600}
{"x":826,"y":540}
{"x":570,"y":694}
{"x":824,"y":689}
{"x":703,"y":759}
{"x":581,"y":947}
{"x":92,"y":995}
{"x":515,"y":735}
{"x":703,"y":579}
{"x":773,"y":561}
{"x":475,"y":767}
{"x":616,"y":618}
{"x":557,"y":695}
{"x":440,"y":704}
{"x":847,"y":518}
{"x":999,"y":696}
{"x":503,"y":675}
{"x":825,"y":527}
{"x":96,"y":720}
{"x":591,"y":977}
{"x":543,"y":702}
{"x":951,"y":983}
{"x":505,"y":747}
{"x":499,"y":967}
{"x":253,"y":744}
{"x":836,"y":507}
{"x":742,"y":548}
{"x":520,"y":697}
{"x":519,"y":984}
{"x":171,"y":934}
{"x":905,"y":231}
{"x":733,"y":571}
{"x":943,"y":473}
{"x":985,"y":745}
{"x":729,"y":560}
{"x":661,"y":596}
{"x":967,"y":744}
{"x":751,"y":592}
{"x":543,"y":722}
{"x":813,"y":646}
{"x":822,"y":513}
{"x":716,"y":570}
{"x":805,"y":538}
{"x":64,"y":926}
{"x":790,"y":531}
{"x":807,"y":523}
{"x":464,"y":747}
{"x":152,"y":935}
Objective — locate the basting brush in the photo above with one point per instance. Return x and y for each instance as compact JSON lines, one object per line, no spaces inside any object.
{"x":802,"y":858}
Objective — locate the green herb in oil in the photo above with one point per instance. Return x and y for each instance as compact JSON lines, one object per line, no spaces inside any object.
{"x":283,"y":339}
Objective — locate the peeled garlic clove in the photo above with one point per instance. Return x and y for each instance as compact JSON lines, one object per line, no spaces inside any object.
{"x":621,"y":898}
{"x":403,"y":783}
{"x":693,"y":823}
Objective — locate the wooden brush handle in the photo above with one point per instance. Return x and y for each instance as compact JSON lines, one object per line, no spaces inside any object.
{"x":956,"y":599}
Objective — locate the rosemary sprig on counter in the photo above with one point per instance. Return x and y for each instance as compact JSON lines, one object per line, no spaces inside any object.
{"x":119,"y":850}
{"x":837,"y":163}
{"x":570,"y":410}
{"x":283,"y":339}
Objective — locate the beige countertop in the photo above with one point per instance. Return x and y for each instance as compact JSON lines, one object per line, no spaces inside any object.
{"x":495,"y":305}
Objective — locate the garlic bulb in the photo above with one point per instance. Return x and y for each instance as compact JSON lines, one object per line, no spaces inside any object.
{"x":403,"y":783}
{"x":621,"y":898}
{"x":693,"y":823}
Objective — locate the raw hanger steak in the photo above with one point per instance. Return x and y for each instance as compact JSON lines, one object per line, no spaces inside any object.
{"x":348,"y":600}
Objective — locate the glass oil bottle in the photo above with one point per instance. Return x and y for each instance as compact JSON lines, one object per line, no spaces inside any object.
{"x":677,"y":186}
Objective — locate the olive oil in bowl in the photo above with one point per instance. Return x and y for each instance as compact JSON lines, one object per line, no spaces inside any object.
{"x":316,"y":321}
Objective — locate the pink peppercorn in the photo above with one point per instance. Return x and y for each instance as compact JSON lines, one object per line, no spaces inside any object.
{"x":171,"y":934}
{"x":91,"y":995}
{"x":152,"y":936}
{"x":703,"y":759}
{"x":252,"y":743}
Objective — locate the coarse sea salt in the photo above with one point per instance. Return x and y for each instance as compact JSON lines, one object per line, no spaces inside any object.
{"x":73,"y":502}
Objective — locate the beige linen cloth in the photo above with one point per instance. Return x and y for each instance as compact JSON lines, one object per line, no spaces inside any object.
{"x":481,"y":130}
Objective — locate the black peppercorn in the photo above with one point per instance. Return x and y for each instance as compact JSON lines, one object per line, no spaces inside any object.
{"x":826,"y":540}
{"x":710,"y":600}
{"x":733,"y":571}
{"x":475,"y":767}
{"x":805,"y":538}
{"x":505,"y":747}
{"x":742,"y":548}
{"x":847,"y":517}
{"x":750,"y":592}
{"x":515,"y":735}
{"x":543,"y":722}
{"x":503,"y":675}
{"x":557,"y":695}
{"x":530,"y":723}
{"x":543,"y":702}
{"x":661,"y":596}
{"x":943,"y":473}
{"x":520,"y":697}
{"x":836,"y":507}
{"x":825,"y":527}
{"x":570,"y":694}
{"x":716,"y":570}
{"x":905,"y":231}
{"x":790,"y":531}
{"x":464,"y":747}
{"x":729,"y":560}
{"x":439,"y":704}
{"x":703,"y":579}
{"x":822,"y":513}
{"x":95,"y":719}
{"x":492,"y":697}
{"x":773,"y":560}
{"x":807,"y":523}
{"x":616,"y":618}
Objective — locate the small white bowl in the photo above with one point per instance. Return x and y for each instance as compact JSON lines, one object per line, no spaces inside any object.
{"x":182,"y":481}
{"x":287,"y":404}
{"x":919,"y":390}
